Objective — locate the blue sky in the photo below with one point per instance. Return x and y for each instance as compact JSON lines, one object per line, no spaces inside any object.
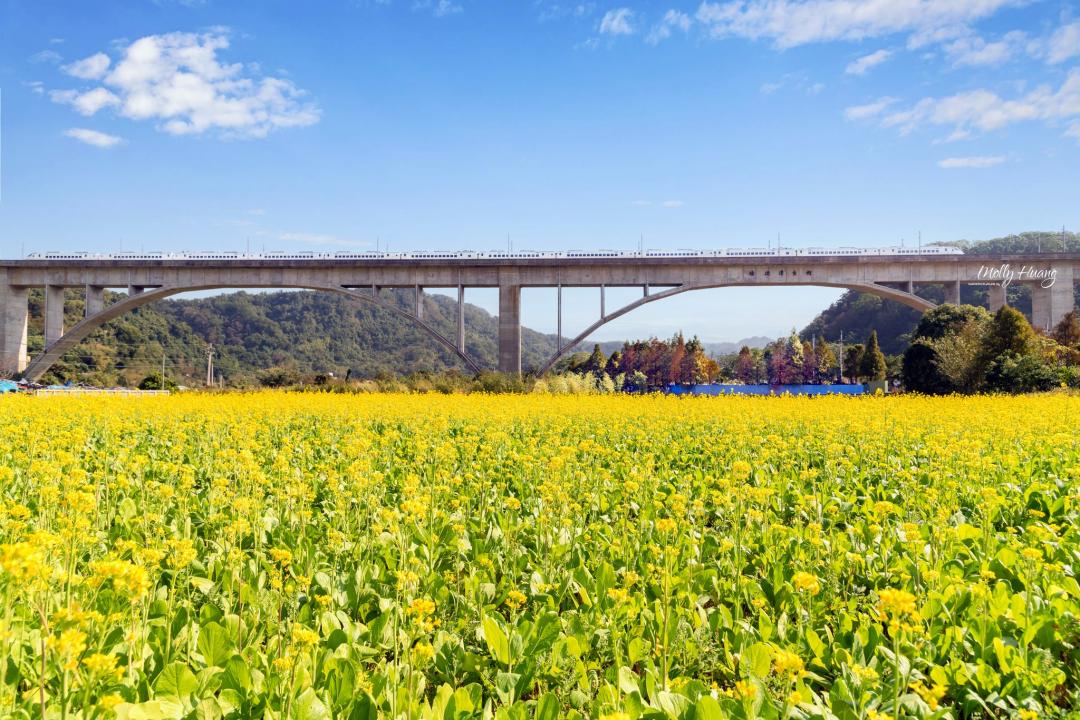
{"x":457,"y":123}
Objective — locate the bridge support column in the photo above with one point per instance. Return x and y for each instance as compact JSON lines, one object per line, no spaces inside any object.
{"x":1050,"y":305}
{"x":997,"y":298}
{"x":461,"y":318}
{"x":54,"y":313}
{"x":95,"y":299}
{"x":14,"y":313}
{"x":419,"y":302}
{"x":510,"y":328}
{"x":952,"y":292}
{"x":558,"y":320}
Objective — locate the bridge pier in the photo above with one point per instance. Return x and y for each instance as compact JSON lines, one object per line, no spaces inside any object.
{"x":997,"y":298}
{"x":952,"y":292}
{"x":54,"y":313}
{"x":14,"y":315}
{"x":510,"y":328}
{"x":1050,"y":305}
{"x":95,"y":299}
{"x":461,"y":318}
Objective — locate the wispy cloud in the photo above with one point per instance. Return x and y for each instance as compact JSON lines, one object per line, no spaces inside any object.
{"x":672,"y":204}
{"x":438,"y":8}
{"x":179,"y":81}
{"x":617,"y":22}
{"x":90,"y":68}
{"x":93,"y":137}
{"x":672,"y":20}
{"x":1064,"y":44}
{"x":46,"y":56}
{"x":869,"y":110}
{"x":985,"y":111}
{"x":974,"y":51}
{"x":975,"y":161}
{"x":789,"y":23}
{"x":863,"y":64}
{"x":799,"y":81}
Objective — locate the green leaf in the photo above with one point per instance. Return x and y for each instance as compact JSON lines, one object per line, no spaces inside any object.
{"x":215,"y":645}
{"x":757,"y":659}
{"x":153,"y":710}
{"x":708,"y":709}
{"x":176,"y":680}
{"x":236,"y":676}
{"x":504,"y":686}
{"x":547,"y":708}
{"x":309,"y":707}
{"x":814,"y":641}
{"x":496,"y":639}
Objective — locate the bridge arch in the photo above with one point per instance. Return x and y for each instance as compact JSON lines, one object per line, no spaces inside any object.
{"x":882,"y":291}
{"x":78,"y":332}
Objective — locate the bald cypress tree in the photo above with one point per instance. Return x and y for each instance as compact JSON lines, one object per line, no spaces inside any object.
{"x":872,"y":364}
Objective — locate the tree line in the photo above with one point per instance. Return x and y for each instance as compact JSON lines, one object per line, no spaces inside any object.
{"x":965,"y":349}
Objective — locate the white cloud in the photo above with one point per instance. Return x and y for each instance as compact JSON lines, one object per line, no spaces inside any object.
{"x":641,"y":203}
{"x":307,"y":238}
{"x":446,"y":7}
{"x":93,"y":137}
{"x":673,"y":19}
{"x":36,"y":86}
{"x":860,"y":66}
{"x":91,"y":68}
{"x":86,"y":103}
{"x":986,"y":111}
{"x":975,"y":161}
{"x":178,"y":80}
{"x":789,"y":23}
{"x":793,"y":81}
{"x":672,"y":203}
{"x":617,"y":22}
{"x":973,"y":51}
{"x":46,"y":56}
{"x":869,"y":110}
{"x":1064,"y":43}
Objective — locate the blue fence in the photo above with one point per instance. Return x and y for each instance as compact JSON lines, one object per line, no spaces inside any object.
{"x":764,"y":389}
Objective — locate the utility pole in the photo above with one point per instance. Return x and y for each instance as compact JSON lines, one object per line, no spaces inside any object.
{"x":210,"y":365}
{"x":163,"y":370}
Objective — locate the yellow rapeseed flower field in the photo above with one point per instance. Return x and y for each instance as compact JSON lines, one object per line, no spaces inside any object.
{"x":441,"y":557}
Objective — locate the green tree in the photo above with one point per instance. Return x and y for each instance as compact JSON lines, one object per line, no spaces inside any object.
{"x":1067,"y":332}
{"x":1009,"y":332}
{"x":948,"y":319}
{"x":826,"y":358}
{"x":596,"y":363}
{"x":872,"y":364}
{"x":153,"y":382}
{"x":614,"y":365}
{"x":920,"y":372}
{"x":852,"y":360}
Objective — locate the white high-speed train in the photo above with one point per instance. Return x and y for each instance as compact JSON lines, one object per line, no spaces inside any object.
{"x":502,"y":255}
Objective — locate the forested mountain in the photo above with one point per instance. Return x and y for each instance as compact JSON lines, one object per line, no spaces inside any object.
{"x":856,"y":314}
{"x":312,"y":332}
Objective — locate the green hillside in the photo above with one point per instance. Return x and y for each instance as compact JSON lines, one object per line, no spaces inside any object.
{"x":856,"y":314}
{"x":311,"y":332}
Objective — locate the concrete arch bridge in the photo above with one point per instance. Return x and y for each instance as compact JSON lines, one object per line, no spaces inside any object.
{"x":147,"y":280}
